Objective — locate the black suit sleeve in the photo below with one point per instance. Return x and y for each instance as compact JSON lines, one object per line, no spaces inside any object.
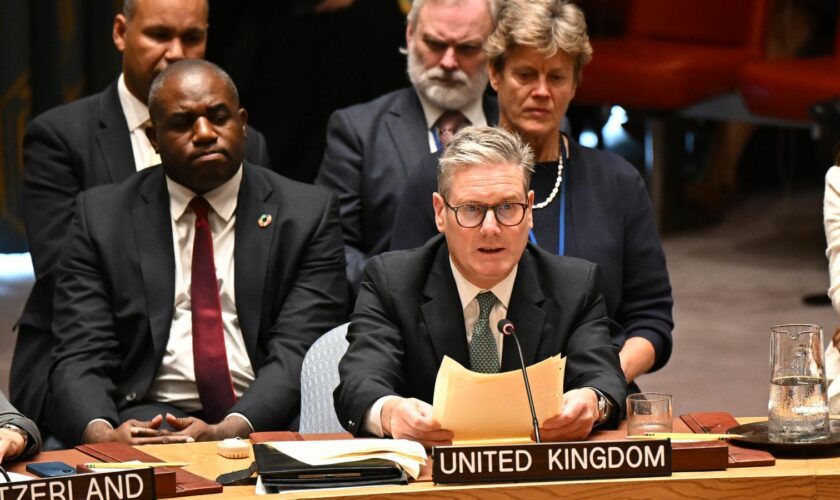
{"x":9,"y":415}
{"x":372,"y":366}
{"x":591,"y":358}
{"x":341,"y":171}
{"x":414,"y":222}
{"x":315,"y":303}
{"x":50,"y":186}
{"x":87,"y":358}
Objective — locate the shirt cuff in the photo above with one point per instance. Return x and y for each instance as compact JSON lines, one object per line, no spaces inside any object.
{"x":373,"y":416}
{"x":243,"y":417}
{"x":100,"y":420}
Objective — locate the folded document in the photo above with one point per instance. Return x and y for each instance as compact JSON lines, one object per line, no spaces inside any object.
{"x":490,"y":408}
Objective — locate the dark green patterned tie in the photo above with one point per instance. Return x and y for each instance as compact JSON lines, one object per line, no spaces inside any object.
{"x":484,"y":356}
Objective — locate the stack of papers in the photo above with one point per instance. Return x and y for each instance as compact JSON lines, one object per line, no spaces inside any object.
{"x":493,"y":408}
{"x":409,"y":455}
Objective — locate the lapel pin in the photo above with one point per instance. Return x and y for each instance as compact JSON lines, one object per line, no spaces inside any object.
{"x":264,"y":220}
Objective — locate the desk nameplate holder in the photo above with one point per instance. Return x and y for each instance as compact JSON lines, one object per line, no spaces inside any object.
{"x":551,"y":461}
{"x":129,"y":484}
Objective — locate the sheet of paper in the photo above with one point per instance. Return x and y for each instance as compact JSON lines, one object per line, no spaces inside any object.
{"x":15,"y":477}
{"x":494,"y":407}
{"x":410,"y":455}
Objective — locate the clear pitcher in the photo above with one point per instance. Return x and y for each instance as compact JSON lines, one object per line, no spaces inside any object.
{"x":798,"y":407}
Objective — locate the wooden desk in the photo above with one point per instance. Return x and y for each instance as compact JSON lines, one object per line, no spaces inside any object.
{"x":789,"y":478}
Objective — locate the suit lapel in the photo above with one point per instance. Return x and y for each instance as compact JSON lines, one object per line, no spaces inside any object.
{"x":442,"y":312}
{"x":251,"y":252}
{"x":153,"y":234}
{"x":113,"y":138}
{"x":407,"y":127}
{"x":526,"y":312}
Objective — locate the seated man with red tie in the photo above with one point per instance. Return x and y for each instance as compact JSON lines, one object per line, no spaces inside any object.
{"x":188,"y":295}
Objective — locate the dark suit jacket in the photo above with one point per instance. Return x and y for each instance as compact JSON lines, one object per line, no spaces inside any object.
{"x":371,"y":149}
{"x":66,"y":150}
{"x":609,"y":221}
{"x":408,"y":316}
{"x":114,"y":296}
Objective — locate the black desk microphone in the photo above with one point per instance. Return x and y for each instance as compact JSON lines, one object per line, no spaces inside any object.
{"x":506,"y":327}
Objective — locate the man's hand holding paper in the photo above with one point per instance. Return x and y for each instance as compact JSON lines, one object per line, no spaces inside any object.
{"x":409,"y":418}
{"x":580,"y":411}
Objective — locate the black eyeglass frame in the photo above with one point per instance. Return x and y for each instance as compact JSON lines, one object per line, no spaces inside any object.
{"x":485,"y":208}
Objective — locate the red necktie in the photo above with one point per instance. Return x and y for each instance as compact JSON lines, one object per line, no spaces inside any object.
{"x":448,"y":124}
{"x":212,"y":376}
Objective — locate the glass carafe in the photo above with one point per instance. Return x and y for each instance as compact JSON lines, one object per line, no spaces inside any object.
{"x":798,"y":407}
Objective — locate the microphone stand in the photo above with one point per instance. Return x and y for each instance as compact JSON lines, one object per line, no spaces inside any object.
{"x":506,"y":327}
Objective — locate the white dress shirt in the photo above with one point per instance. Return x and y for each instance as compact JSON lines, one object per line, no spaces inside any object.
{"x":831,"y":221}
{"x":467,"y":293}
{"x":137,"y":116}
{"x":175,"y":381}
{"x":474,"y":113}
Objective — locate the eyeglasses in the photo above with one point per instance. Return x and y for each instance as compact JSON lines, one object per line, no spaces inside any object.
{"x":508,"y":213}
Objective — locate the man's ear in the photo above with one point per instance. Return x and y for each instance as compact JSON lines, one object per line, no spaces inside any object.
{"x":243,"y":117}
{"x":440,"y":206}
{"x":118,"y":33}
{"x":151,"y":133}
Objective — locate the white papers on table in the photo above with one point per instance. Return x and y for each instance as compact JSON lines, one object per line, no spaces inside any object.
{"x":410,"y":455}
{"x":15,"y":477}
{"x":481,"y":407}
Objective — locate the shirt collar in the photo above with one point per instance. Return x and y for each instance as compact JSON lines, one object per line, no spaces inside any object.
{"x":135,"y":111}
{"x":474,"y":112}
{"x":467,"y":291}
{"x":222,"y":199}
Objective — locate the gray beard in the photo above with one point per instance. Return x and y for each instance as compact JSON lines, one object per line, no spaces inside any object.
{"x":447,"y":90}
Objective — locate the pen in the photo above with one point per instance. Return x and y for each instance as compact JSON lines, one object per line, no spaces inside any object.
{"x":133,"y":465}
{"x":686,"y":436}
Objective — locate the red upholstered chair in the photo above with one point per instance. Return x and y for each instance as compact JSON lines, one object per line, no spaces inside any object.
{"x":787,"y":88}
{"x":674,"y":54}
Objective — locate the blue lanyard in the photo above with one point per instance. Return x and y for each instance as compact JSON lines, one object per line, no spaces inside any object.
{"x":561,"y":237}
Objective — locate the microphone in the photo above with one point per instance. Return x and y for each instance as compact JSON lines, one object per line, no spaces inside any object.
{"x":506,"y":327}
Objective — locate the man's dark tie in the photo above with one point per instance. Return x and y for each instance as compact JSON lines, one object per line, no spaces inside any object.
{"x":448,"y":124}
{"x":484,"y":355}
{"x":212,"y":375}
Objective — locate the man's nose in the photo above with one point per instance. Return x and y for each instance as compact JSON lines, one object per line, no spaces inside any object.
{"x":175,"y":50}
{"x":490,"y":226}
{"x":203,"y":131}
{"x":449,"y":61}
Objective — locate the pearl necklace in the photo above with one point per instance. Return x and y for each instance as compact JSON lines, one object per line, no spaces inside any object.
{"x":560,"y":162}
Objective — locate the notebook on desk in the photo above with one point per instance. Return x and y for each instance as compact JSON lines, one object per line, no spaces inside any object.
{"x":279,"y":472}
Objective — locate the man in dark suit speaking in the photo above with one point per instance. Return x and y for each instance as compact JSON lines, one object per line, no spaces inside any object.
{"x":193,"y":289}
{"x":95,"y":140}
{"x":446,"y":298}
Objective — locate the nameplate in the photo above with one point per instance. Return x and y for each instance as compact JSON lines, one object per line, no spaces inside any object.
{"x":551,"y":461}
{"x":133,"y":484}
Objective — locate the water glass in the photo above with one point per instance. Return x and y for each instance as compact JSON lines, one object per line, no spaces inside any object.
{"x":649,"y":412}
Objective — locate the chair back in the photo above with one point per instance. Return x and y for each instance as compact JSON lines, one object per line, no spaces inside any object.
{"x":739,"y":23}
{"x":318,"y":379}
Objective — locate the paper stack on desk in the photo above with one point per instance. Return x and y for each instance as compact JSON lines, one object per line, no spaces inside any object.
{"x":493,"y":408}
{"x":409,"y":455}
